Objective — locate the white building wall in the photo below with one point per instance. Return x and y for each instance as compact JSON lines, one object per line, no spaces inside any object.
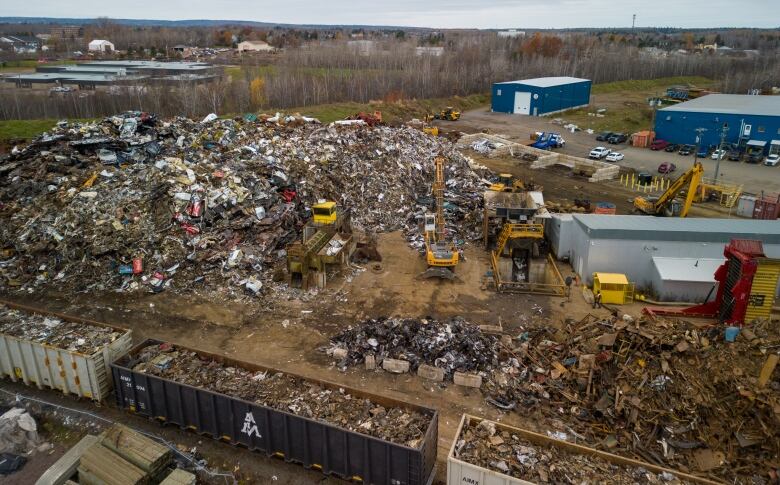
{"x":688,"y":291}
{"x":558,"y":229}
{"x":635,"y":258}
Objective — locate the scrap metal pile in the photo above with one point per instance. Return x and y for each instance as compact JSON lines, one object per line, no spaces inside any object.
{"x":452,"y":345}
{"x":286,"y":393}
{"x":76,"y":337}
{"x":485,"y":445}
{"x":668,"y":393}
{"x":671,"y":394}
{"x":136,"y":203}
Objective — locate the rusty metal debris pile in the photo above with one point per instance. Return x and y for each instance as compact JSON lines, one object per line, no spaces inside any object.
{"x":667,"y":393}
{"x":133,"y":203}
{"x":452,"y":345}
{"x":500,"y":450}
{"x":286,"y":393}
{"x":77,"y":337}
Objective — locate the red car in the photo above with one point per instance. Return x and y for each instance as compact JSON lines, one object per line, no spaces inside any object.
{"x":667,"y":167}
{"x":659,"y":145}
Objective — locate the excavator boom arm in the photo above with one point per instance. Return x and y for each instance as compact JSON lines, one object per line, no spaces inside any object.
{"x":690,"y":179}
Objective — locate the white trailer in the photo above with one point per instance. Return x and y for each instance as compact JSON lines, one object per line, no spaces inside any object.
{"x":72,"y":372}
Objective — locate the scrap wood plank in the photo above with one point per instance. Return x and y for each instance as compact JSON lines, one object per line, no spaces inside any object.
{"x":64,"y":468}
{"x":179,"y":477}
{"x":767,"y":369}
{"x":101,"y":466}
{"x":139,"y":450}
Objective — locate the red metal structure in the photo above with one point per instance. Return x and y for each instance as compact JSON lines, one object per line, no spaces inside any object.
{"x":735,"y":287}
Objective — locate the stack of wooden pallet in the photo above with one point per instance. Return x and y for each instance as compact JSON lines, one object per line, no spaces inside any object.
{"x":123,"y":457}
{"x":119,"y":456}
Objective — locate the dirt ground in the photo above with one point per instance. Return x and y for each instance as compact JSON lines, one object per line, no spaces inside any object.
{"x":288,"y":335}
{"x":755,"y":178}
{"x":560,"y":186}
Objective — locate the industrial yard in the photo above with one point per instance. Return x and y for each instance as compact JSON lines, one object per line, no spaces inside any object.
{"x":571,"y":280}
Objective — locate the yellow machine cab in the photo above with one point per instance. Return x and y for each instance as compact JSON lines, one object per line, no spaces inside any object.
{"x":324,"y":212}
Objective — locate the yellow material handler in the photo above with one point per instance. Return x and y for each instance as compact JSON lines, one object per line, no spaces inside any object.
{"x":440,"y":255}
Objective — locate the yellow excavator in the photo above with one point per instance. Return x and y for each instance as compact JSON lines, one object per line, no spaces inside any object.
{"x":441,"y":256}
{"x":666,"y":205}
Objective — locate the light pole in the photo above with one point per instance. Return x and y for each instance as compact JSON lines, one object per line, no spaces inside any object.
{"x":723,"y":131}
{"x":698,"y":131}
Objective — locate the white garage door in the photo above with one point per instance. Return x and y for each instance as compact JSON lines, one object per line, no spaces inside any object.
{"x":522,"y":103}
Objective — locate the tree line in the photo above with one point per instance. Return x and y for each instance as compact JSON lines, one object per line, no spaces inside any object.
{"x":337,"y":71}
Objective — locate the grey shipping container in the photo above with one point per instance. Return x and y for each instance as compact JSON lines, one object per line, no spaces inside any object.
{"x":460,"y":472}
{"x":314,"y":444}
{"x":42,"y":365}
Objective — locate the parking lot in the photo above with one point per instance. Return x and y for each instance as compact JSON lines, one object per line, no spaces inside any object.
{"x":755,"y":178}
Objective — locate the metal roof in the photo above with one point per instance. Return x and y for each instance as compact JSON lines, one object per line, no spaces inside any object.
{"x":51,"y":77}
{"x":687,"y":269}
{"x":738,"y":104}
{"x":649,"y":228}
{"x":547,"y":82}
{"x":611,"y":278}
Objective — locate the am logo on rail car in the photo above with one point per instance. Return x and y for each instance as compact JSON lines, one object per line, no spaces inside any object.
{"x":250,"y":427}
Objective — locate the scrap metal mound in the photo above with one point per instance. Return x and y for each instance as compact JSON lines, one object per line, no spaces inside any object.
{"x":669,"y":393}
{"x":500,"y":450}
{"x":453,"y":345}
{"x":77,"y":337}
{"x":286,"y":393}
{"x":136,"y":203}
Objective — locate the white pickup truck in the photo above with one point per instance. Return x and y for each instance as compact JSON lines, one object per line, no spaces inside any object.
{"x":599,"y":152}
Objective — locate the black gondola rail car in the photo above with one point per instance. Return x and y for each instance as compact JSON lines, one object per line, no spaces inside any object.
{"x":314,"y":444}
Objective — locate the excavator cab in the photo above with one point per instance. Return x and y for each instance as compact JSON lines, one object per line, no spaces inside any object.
{"x":324,"y":213}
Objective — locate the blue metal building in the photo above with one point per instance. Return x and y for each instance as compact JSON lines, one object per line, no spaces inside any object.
{"x":746,"y":118}
{"x":540,"y":96}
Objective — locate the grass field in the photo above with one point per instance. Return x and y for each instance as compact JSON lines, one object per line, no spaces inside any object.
{"x":24,"y":129}
{"x":392,"y":112}
{"x":650,"y":85}
{"x":28,"y":65}
{"x":626,"y":103}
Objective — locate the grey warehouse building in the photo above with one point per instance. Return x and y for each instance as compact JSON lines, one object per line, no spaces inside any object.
{"x":640,"y":247}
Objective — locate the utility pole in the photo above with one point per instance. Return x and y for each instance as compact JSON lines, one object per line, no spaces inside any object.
{"x":723,"y":131}
{"x":699,"y":132}
{"x":633,"y":23}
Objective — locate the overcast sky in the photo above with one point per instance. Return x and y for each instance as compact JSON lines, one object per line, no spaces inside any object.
{"x":425,"y":13}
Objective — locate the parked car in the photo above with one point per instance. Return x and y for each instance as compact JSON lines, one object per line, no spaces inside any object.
{"x":772,"y":160}
{"x":703,"y":152}
{"x":615,"y":157}
{"x":755,"y":157}
{"x":617,"y":138}
{"x":734,"y":155}
{"x":686,"y":150}
{"x":672,"y":147}
{"x":667,"y":167}
{"x":718,"y":154}
{"x":599,"y":152}
{"x":604,"y":136}
{"x":659,"y":144}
